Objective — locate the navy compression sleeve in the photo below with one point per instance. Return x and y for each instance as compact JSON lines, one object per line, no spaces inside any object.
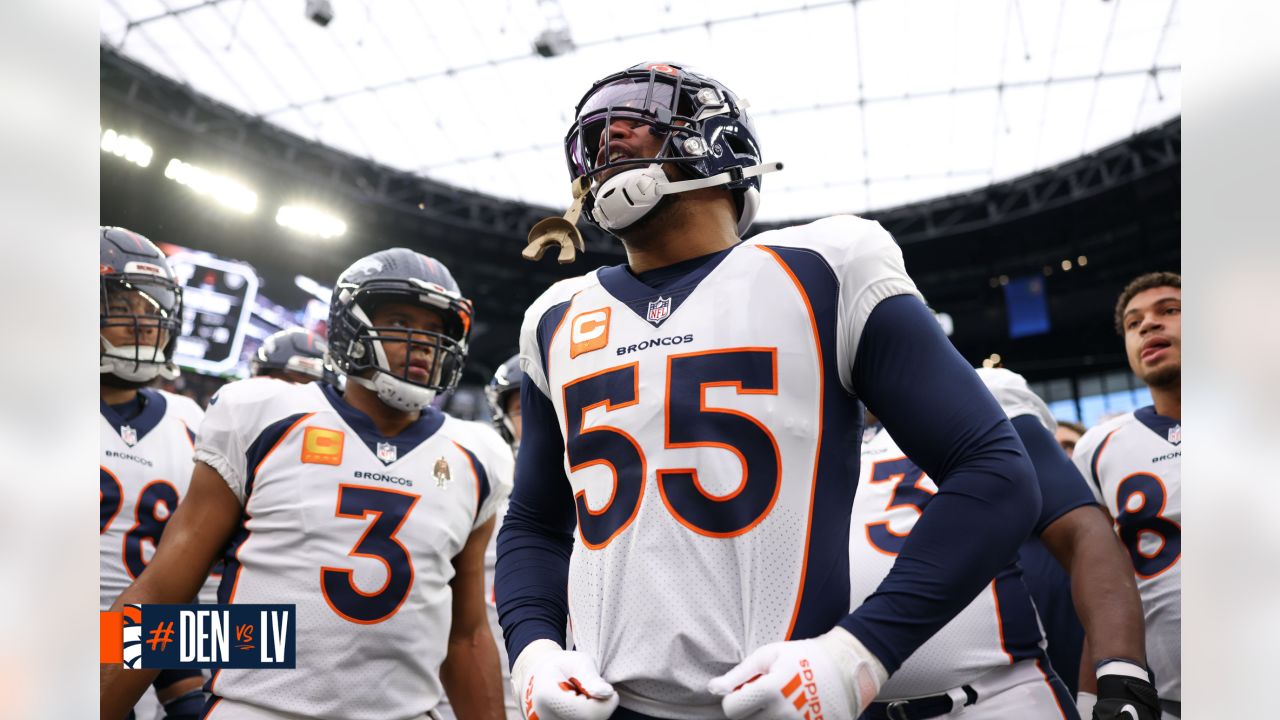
{"x":531,"y":581}
{"x":944,"y":419}
{"x":1062,"y":487}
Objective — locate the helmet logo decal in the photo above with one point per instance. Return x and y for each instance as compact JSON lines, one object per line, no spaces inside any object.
{"x":662,"y":68}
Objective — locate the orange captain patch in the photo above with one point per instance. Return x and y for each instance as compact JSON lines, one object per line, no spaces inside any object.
{"x":322,"y":446}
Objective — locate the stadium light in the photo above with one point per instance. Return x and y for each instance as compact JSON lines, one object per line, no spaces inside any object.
{"x":310,"y":221}
{"x":126,"y":146}
{"x":225,"y":191}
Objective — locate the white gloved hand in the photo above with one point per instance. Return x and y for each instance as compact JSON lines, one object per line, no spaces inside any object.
{"x":557,"y":684}
{"x":833,"y":676}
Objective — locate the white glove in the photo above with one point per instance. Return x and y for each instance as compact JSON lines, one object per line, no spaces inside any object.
{"x":832,"y":676}
{"x":1085,"y":702}
{"x":556,"y":684}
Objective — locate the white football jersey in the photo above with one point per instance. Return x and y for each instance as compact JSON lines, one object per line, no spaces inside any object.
{"x":1134,"y":465}
{"x":512,"y":706}
{"x":144,"y":470}
{"x":708,"y":430}
{"x":359,"y":531}
{"x":1000,"y":626}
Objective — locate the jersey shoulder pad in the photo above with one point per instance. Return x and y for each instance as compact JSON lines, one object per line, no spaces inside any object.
{"x":558,"y":294}
{"x":184,"y":408}
{"x":477,"y":436}
{"x":835,"y":238}
{"x":1016,"y":397}
{"x":1093,"y":437}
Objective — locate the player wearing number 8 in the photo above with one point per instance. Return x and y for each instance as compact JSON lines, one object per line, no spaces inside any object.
{"x":366,"y":508}
{"x":1134,"y":464}
{"x":709,"y":483}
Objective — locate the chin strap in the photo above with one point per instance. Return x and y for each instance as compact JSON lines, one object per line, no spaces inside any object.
{"x":728,"y":176}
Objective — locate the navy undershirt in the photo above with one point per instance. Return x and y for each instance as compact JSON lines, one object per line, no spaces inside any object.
{"x":664,"y":277}
{"x":132,"y":408}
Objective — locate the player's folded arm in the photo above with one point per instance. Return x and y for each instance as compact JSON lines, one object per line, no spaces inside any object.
{"x":944,"y":418}
{"x":536,"y":539}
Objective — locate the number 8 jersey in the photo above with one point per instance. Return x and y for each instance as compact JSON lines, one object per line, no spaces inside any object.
{"x":711,"y":440}
{"x":1134,"y":465}
{"x":359,"y":531}
{"x":144,"y":470}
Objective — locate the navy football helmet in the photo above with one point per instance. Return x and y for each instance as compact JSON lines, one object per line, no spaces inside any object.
{"x":505,"y":383}
{"x":707,"y":132}
{"x":293,"y":350}
{"x":137,"y":290}
{"x":356,"y":345}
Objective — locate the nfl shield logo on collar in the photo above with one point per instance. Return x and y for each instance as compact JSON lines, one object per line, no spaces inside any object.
{"x":129,"y":435}
{"x":1175,"y":434}
{"x":386,"y":452}
{"x":658,"y":310}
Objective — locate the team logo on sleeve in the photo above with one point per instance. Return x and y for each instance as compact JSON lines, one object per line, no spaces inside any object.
{"x":128,"y":435}
{"x":322,"y":446}
{"x":658,"y":310}
{"x":588,"y":331}
{"x":386,"y":453}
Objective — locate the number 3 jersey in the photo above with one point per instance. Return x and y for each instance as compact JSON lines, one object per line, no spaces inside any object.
{"x":144,"y":470}
{"x":1000,"y":626}
{"x":710,"y":445}
{"x":1134,"y":466}
{"x":359,"y":531}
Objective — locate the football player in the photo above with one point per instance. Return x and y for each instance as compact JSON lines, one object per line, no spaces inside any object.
{"x":147,"y":435}
{"x":1134,"y":464}
{"x":294,"y":355}
{"x":367,"y":508}
{"x":990,"y":662}
{"x":502,"y":394}
{"x":1068,"y":434}
{"x":692,"y":417}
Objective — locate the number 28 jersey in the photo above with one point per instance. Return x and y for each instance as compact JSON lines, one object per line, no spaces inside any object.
{"x":1134,"y":466}
{"x":144,"y":470}
{"x":710,"y":444}
{"x":356,"y":529}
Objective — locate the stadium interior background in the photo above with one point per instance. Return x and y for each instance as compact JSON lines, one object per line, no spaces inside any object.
{"x":1027,"y":269}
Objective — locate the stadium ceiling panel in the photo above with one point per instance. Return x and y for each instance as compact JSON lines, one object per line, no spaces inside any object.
{"x":870,"y":103}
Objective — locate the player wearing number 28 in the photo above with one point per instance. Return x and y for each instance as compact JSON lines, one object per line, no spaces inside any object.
{"x":147,"y":435}
{"x":367,"y":509}
{"x":1134,"y":464}
{"x":693,"y":418}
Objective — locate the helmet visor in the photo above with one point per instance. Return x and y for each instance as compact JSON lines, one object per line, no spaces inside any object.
{"x":653,"y":103}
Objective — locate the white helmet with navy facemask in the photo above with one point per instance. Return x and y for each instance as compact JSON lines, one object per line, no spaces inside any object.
{"x":137,"y":290}
{"x":357,"y":346}
{"x":707,"y":135}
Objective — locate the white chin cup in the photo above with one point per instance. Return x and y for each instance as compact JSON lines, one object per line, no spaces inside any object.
{"x":135,"y":363}
{"x":394,"y":392}
{"x":628,"y":196}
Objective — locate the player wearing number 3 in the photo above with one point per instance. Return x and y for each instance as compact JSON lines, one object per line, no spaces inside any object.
{"x":693,"y":418}
{"x":368,"y":509}
{"x":1134,"y":465}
